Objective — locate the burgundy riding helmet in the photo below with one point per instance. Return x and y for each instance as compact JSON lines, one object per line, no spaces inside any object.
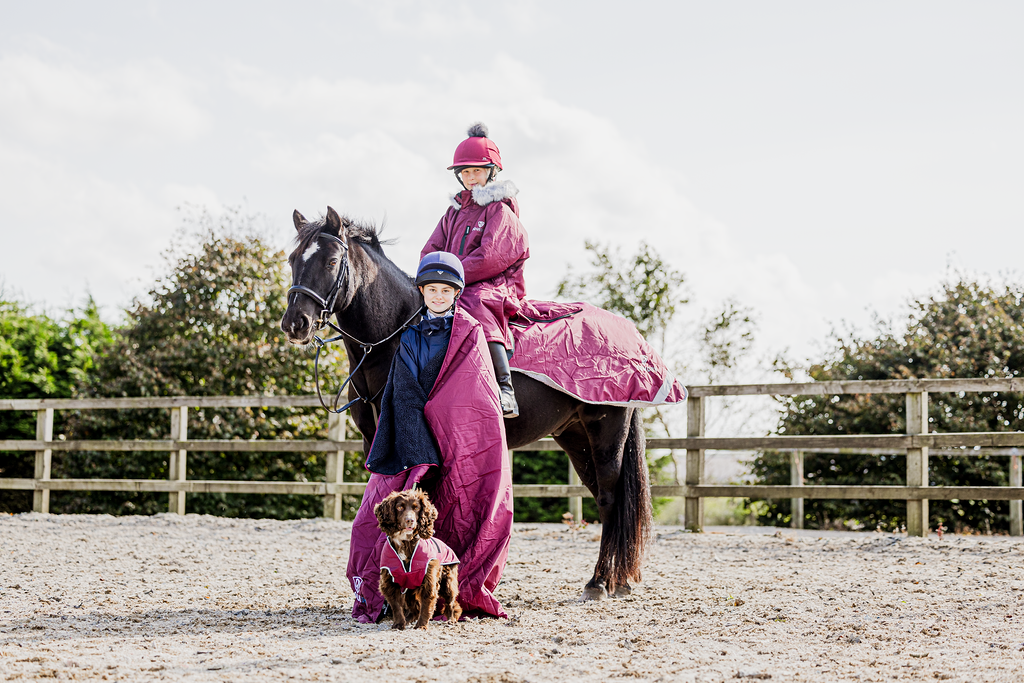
{"x":477,"y":150}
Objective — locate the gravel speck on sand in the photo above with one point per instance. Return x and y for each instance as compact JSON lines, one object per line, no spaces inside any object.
{"x":204,"y":598}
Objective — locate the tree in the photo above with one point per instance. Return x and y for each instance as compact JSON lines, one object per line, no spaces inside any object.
{"x":641,"y":288}
{"x":209,"y":326}
{"x":40,"y":357}
{"x":968,"y":329}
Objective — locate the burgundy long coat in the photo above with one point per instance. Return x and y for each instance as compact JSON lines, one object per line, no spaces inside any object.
{"x":473,"y":489}
{"x":482,"y":228}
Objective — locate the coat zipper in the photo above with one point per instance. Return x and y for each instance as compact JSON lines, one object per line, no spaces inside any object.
{"x":464,"y":236}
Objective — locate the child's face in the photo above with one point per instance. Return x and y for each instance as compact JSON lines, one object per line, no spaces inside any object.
{"x":438,"y":296}
{"x":473,"y":176}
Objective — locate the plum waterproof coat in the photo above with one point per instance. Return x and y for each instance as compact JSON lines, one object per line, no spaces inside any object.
{"x":482,"y":228}
{"x":471,"y":487}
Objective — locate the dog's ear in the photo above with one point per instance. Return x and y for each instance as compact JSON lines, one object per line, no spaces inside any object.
{"x":428,"y":515}
{"x":387,"y":519}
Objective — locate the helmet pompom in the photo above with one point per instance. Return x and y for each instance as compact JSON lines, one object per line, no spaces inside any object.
{"x":477,"y":130}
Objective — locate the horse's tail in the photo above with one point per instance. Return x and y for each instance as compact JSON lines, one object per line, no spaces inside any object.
{"x":632,"y":520}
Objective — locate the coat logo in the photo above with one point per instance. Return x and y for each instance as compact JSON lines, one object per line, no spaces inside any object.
{"x":439,"y":272}
{"x":643,"y":364}
{"x":480,"y":224}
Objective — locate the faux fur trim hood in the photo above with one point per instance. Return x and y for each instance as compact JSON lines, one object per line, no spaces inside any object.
{"x":494,"y":191}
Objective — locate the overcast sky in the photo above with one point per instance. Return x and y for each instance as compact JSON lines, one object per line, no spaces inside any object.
{"x":816,"y":161}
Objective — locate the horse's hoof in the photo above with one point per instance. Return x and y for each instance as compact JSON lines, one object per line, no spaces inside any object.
{"x":622,"y":591}
{"x":593,"y":593}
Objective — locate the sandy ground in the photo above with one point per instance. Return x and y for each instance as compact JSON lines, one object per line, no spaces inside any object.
{"x":210,"y":599}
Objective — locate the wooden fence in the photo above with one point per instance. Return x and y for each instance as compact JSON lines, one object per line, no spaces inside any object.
{"x":915,"y":444}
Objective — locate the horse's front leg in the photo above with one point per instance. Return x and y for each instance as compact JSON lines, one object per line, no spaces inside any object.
{"x":363,"y":417}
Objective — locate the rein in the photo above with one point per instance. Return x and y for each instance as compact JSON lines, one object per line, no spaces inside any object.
{"x":324,"y":320}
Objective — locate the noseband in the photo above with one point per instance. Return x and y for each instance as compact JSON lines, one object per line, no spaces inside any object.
{"x":324,"y":320}
{"x":327,"y":305}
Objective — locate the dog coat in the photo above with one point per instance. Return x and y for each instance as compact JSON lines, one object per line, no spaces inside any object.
{"x":412,"y":576}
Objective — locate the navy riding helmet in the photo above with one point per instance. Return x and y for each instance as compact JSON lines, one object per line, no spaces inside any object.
{"x":441,"y":266}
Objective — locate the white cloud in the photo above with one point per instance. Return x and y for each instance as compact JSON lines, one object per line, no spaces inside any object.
{"x":67,"y":231}
{"x":375,"y":149}
{"x":419,"y":19}
{"x":61,"y":101}
{"x":370,"y":148}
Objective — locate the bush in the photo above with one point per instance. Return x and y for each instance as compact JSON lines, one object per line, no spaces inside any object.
{"x":969,"y":329}
{"x":209,"y":327}
{"x":40,"y":357}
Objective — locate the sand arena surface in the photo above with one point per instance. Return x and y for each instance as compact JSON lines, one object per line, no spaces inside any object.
{"x":211,"y":599}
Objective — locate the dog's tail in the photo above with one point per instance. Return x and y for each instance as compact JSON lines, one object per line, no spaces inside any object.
{"x":625,"y":543}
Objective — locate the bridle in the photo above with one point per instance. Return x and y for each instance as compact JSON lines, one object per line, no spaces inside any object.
{"x":324,"y":320}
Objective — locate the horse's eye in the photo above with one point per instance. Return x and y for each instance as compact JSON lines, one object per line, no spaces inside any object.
{"x":332,"y":263}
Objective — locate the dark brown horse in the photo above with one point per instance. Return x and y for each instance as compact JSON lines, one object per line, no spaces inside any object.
{"x":340,"y":266}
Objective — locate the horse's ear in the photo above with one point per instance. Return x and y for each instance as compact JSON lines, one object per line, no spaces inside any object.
{"x":334,"y":222}
{"x":298,"y":219}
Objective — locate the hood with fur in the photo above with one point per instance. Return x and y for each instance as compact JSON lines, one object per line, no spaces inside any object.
{"x":494,"y":191}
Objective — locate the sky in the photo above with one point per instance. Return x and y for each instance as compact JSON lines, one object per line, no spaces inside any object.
{"x":819,"y":163}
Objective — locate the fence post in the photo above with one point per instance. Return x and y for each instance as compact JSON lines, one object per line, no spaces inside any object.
{"x":796,"y":478}
{"x":575,"y":502}
{"x":1016,"y":519}
{"x":917,"y":462}
{"x":335,"y":466}
{"x":178,"y":463}
{"x":693,"y":509}
{"x":44,"y":432}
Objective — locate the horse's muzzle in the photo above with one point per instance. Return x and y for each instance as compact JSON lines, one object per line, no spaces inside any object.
{"x":297,"y":327}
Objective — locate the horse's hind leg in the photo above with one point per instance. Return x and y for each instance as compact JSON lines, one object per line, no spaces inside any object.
{"x":595,"y":447}
{"x":577,"y":446}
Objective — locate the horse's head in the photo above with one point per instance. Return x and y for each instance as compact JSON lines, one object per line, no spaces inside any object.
{"x":320,"y":275}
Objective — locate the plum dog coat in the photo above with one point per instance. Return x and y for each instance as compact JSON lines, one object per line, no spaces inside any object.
{"x":412,"y":575}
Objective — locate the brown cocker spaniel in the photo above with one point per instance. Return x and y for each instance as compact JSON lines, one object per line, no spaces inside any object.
{"x":415,"y":567}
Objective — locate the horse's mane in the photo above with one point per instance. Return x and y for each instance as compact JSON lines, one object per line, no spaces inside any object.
{"x":365,"y":233}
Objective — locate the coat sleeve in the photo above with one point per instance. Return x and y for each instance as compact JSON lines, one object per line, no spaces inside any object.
{"x":437,"y":241}
{"x":504,"y":244}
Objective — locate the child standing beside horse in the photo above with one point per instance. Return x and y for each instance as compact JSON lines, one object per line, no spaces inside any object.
{"x":440,"y":430}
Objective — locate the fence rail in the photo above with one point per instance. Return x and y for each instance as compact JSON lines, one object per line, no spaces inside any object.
{"x":916,"y":444}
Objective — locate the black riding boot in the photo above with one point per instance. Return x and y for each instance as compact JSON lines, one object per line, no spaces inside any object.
{"x":499,"y":358}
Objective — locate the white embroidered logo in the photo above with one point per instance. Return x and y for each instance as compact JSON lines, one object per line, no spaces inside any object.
{"x":643,"y":364}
